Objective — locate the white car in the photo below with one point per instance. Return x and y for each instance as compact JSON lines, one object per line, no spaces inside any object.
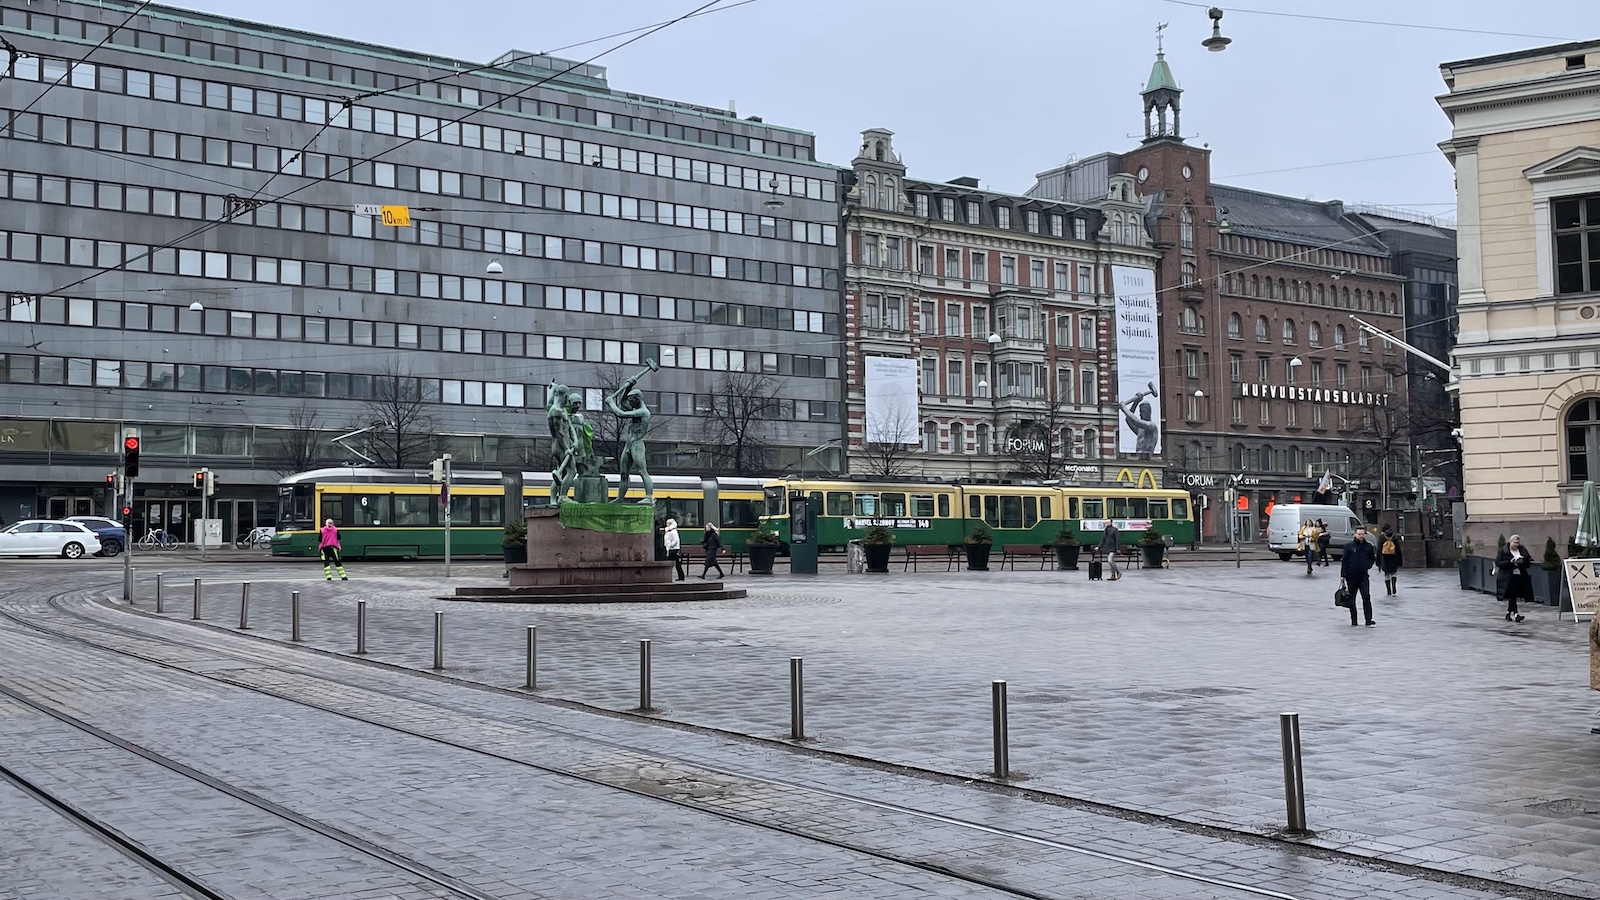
{"x":38,"y":537}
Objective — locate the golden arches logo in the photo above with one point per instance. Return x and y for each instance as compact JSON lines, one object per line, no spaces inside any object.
{"x":1146,"y":479}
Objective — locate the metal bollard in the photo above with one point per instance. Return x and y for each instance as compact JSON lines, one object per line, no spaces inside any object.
{"x":533,"y":658}
{"x":196,"y":615}
{"x":244,"y":606}
{"x":1294,"y":784}
{"x":1002,"y":731}
{"x":159,"y":576}
{"x":644,"y":675}
{"x":797,"y":698}
{"x":133,"y":580}
{"x":438,"y":640}
{"x":294,"y":615}
{"x":361,"y":627}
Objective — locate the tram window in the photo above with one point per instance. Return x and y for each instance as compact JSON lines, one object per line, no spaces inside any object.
{"x":1139,"y":507}
{"x":371,"y":509}
{"x":740,"y":513}
{"x":838,"y":503}
{"x":294,"y":506}
{"x":333,"y":507}
{"x":1010,"y":512}
{"x":1094,"y":509}
{"x":1158,"y":509}
{"x":867,"y":505}
{"x":894,"y":505}
{"x":413,"y":510}
{"x":1119,"y":507}
{"x":944,"y":506}
{"x":991,"y":511}
{"x":777,"y":500}
{"x":1030,"y":512}
{"x":1180,"y":509}
{"x":1072,"y":507}
{"x":489,"y":509}
{"x":1044,"y":508}
{"x":686,"y":510}
{"x":460,"y":510}
{"x":922,"y":505}
{"x":974,"y":506}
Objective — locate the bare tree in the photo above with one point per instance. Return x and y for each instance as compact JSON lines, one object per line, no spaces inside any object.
{"x":297,"y":450}
{"x":609,"y":429}
{"x":738,"y":424}
{"x":402,"y":428}
{"x":1035,"y":448}
{"x":891,"y":458}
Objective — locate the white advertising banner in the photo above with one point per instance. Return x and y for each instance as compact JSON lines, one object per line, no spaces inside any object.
{"x":891,"y":407}
{"x":1138,"y":361}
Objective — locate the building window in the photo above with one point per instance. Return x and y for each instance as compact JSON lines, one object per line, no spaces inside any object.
{"x":952,"y":320}
{"x":947,"y":209}
{"x":1031,"y":221}
{"x":1255,"y":285}
{"x":1235,"y":326}
{"x":974,"y":213}
{"x":1583,"y":440}
{"x":1190,"y":322}
{"x":1063,"y":282}
{"x":1262,"y":330}
{"x":1063,"y":331}
{"x":980,"y":438}
{"x":1194,"y":407}
{"x":1057,"y":227}
{"x":1316,"y":373}
{"x":958,"y":438}
{"x":1264,"y":369}
{"x":980,"y":321}
{"x":1288,"y":331}
{"x":1008,"y":269}
{"x":1316,"y":415}
{"x":1344,"y":419}
{"x":1186,"y":227}
{"x":1341,"y":376}
{"x":1314,"y":335}
{"x":1338,"y":337}
{"x":930,"y":375}
{"x":925,"y":259}
{"x":1036,"y":273}
{"x":980,"y":266}
{"x":1366,"y":378}
{"x":980,"y":379}
{"x":1191,"y":363}
{"x":1088,"y":389}
{"x":1238,"y":419}
{"x":869,"y":250}
{"x":954,"y":382}
{"x":1363,"y":343}
{"x":1002,"y":217}
{"x":1235,"y":367}
{"x":1091,"y":444}
{"x":952,"y":263}
{"x":1190,"y":275}
{"x":1064,"y":386}
{"x":930,"y":437}
{"x":892,"y":258}
{"x":1080,"y":229}
{"x":928,"y":317}
{"x":921,"y":201}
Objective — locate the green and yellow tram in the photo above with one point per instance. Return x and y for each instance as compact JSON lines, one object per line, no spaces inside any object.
{"x":396,"y":513}
{"x":946,"y":512}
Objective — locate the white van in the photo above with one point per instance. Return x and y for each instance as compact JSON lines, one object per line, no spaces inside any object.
{"x":1283,"y":526}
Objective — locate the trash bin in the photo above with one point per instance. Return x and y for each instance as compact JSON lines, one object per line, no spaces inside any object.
{"x":856,"y":556}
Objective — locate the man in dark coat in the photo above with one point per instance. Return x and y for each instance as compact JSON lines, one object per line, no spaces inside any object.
{"x":1354,"y":569}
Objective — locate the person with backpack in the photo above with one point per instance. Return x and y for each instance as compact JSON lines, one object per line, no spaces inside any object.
{"x":329,"y":545}
{"x":711,"y":540}
{"x":1389,"y":560}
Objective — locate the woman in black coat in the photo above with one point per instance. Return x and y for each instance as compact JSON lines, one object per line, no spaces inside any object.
{"x":1512,"y":580}
{"x":711,"y":540}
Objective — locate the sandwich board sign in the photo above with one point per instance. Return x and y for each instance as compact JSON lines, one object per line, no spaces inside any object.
{"x":1583,"y":584}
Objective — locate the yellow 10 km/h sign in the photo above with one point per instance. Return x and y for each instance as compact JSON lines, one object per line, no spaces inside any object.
{"x":397,"y":216}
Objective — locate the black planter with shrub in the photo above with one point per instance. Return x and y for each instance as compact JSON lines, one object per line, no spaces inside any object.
{"x":763,"y":547}
{"x":1067,"y":548}
{"x":514,"y":543}
{"x":1154,"y":548}
{"x":878,"y":543}
{"x":979,"y":543}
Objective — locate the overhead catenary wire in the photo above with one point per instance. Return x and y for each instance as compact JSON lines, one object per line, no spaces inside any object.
{"x":14,"y":54}
{"x":1372,"y":22}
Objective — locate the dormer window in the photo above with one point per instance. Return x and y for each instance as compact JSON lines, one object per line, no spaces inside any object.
{"x":1002,"y":217}
{"x":974,"y":213}
{"x":922,"y":206}
{"x":1031,"y":218}
{"x":947,"y":209}
{"x":1057,"y":227}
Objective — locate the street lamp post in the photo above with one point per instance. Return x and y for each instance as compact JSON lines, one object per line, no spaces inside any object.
{"x":994,"y":397}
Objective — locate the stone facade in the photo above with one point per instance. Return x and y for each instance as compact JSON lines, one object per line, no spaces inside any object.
{"x":1523,"y":143}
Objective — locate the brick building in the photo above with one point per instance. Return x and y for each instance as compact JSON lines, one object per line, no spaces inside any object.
{"x":1265,"y":377}
{"x":999,"y":307}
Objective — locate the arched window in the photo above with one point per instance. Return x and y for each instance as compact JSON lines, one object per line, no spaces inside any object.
{"x":1322,"y":297}
{"x":1288,"y":331}
{"x":1265,"y":462}
{"x":1235,"y":326}
{"x":1338,"y":337}
{"x":1294,"y":459}
{"x":1091,"y":444}
{"x":958,"y":438}
{"x":1344,"y":298}
{"x":1190,"y":278}
{"x":1583,"y":440}
{"x":1189,"y":320}
{"x":869,"y":190}
{"x":1314,"y":334}
{"x":1262,"y":330}
{"x":1227,"y":283}
{"x":1370,"y":305}
{"x":1268,"y":286}
{"x":1255,"y":285}
{"x":930,"y":437}
{"x":980,"y":438}
{"x":1066,"y":443}
{"x":887,"y":200}
{"x":1283,"y":290}
{"x":1186,"y":227}
{"x":1237,"y":457}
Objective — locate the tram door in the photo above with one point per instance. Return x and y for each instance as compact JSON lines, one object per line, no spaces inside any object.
{"x":62,"y":507}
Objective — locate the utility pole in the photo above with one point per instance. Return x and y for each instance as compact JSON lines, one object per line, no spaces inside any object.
{"x":130,"y":468}
{"x":441,"y":474}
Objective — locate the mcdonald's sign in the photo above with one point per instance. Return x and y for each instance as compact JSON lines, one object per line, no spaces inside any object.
{"x":1146,"y":480}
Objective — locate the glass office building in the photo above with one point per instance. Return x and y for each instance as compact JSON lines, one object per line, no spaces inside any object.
{"x":193,"y":245}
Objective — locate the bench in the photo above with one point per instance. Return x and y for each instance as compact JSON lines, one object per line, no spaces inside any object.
{"x":733,"y":560}
{"x":1130,"y":556}
{"x":951,"y":553}
{"x":1014,"y":553}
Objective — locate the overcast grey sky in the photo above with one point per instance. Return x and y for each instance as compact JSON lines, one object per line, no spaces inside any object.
{"x":1002,"y":89}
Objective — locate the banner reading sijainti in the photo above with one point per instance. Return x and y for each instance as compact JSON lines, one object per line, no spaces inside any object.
{"x":1138,"y":362}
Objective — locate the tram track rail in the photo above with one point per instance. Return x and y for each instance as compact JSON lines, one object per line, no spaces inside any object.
{"x":58,"y":603}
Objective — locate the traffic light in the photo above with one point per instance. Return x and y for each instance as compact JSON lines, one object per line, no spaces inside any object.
{"x":199,"y":480}
{"x":211,"y":482}
{"x":130,"y":455}
{"x":127,"y":513}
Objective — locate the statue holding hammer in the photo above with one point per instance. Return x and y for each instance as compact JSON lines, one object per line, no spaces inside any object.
{"x":1141,"y":419}
{"x":627,"y":404}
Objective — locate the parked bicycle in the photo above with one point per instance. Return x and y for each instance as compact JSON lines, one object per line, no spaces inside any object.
{"x":156,"y":537}
{"x":259,"y":538}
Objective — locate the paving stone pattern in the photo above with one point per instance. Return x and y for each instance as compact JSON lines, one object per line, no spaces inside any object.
{"x":352,"y":777}
{"x":1444,"y":737}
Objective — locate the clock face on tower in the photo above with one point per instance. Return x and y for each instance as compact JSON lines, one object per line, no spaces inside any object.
{"x":1143,"y":174}
{"x":1187,"y":172}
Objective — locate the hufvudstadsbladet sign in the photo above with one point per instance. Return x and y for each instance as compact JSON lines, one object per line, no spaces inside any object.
{"x":1313,"y":394}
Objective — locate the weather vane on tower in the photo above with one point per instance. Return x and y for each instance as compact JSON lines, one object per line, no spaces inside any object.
{"x":1160,"y":27}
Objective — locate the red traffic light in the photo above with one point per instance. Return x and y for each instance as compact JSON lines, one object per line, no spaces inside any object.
{"x":111,"y":479}
{"x":126,"y":512}
{"x":130,"y":443}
